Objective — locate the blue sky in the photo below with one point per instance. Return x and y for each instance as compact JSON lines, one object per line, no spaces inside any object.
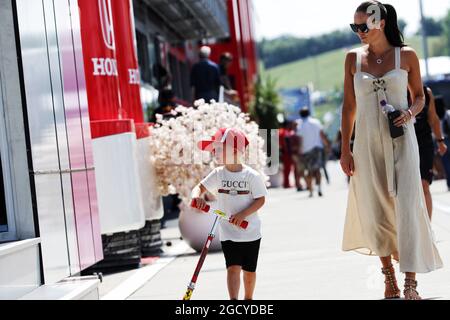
{"x":306,"y":18}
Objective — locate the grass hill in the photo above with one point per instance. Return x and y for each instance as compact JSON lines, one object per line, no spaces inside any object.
{"x":325,"y":71}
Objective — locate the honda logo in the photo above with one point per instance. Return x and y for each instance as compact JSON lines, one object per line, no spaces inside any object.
{"x":106,"y":22}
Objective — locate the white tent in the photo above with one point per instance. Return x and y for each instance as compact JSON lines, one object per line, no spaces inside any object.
{"x":439,"y":67}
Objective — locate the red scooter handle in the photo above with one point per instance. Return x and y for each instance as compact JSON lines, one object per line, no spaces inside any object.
{"x":207,"y":209}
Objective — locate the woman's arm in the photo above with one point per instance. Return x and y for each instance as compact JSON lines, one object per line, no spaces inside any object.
{"x":348,"y":115}
{"x":415,"y":86}
{"x":435,"y":124}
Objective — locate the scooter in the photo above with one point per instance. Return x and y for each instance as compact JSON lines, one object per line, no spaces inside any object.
{"x":220,"y":215}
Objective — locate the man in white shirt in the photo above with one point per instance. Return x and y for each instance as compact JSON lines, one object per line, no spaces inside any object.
{"x":313,"y":140}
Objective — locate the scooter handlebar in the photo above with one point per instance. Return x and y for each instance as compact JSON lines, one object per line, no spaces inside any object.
{"x":206,"y":209}
{"x":244,"y":224}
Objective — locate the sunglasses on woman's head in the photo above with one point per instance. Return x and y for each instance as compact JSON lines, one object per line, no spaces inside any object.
{"x":360,"y":27}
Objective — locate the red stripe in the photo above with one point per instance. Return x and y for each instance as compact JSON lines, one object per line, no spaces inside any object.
{"x":105,"y":128}
{"x":142,"y":130}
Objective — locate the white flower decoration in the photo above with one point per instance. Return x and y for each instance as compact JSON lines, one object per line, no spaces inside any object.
{"x":178,"y":163}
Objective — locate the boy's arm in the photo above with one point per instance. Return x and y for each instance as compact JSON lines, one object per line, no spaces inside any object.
{"x":239,"y":217}
{"x":196,"y":195}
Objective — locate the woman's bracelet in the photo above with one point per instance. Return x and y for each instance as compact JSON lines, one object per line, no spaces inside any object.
{"x":410,"y":113}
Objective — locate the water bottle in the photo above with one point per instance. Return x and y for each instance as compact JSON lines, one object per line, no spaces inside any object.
{"x":391,"y":113}
{"x":386,"y":108}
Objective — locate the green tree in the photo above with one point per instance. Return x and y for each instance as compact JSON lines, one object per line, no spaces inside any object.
{"x":402,"y":24}
{"x":265,"y":108}
{"x":432,"y":27}
{"x":286,"y":49}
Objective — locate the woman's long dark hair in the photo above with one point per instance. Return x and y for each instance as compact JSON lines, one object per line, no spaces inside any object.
{"x":388,"y":14}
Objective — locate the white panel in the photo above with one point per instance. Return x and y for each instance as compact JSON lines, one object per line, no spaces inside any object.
{"x":52,"y":227}
{"x":55,"y":77}
{"x":20,"y":268}
{"x":60,"y":119}
{"x":81,"y":289}
{"x":118,"y":184}
{"x":37,"y":85}
{"x":14,"y":119}
{"x":72,"y":240}
{"x":153,"y":206}
{"x":43,"y":94}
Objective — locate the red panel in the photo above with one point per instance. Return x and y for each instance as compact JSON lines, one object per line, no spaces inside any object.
{"x":128,"y":67}
{"x":142,"y":130}
{"x":100,"y":62}
{"x":106,"y":128}
{"x":242,"y":46}
{"x":178,"y":53}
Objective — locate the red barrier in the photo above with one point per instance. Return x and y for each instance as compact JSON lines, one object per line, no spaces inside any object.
{"x":100,"y":62}
{"x":105,"y":128}
{"x":127,"y":62}
{"x":111,"y":66}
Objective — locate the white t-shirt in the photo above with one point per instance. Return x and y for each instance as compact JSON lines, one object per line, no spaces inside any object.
{"x":248,"y":180}
{"x":309,"y":129}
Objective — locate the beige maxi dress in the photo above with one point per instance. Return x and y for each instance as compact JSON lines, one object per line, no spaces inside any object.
{"x":386,"y":213}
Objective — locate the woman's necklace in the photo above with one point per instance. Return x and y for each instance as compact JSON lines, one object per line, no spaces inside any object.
{"x":380,"y":60}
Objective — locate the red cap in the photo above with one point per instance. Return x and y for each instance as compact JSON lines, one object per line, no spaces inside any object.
{"x":224,"y":135}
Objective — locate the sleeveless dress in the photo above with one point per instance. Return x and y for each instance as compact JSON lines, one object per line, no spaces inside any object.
{"x":386,"y":213}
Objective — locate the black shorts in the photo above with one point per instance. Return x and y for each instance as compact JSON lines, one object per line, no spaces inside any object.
{"x":426,"y":153}
{"x":313,"y":160}
{"x":244,"y":254}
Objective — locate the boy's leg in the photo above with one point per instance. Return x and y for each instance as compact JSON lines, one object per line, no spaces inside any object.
{"x":249,"y":284}
{"x":234,"y":281}
{"x":249,"y":267}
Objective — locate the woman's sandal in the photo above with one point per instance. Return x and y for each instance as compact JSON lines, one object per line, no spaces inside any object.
{"x":393,"y":292}
{"x":410,"y":290}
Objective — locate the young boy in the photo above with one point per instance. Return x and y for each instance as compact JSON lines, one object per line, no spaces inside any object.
{"x":240,"y":193}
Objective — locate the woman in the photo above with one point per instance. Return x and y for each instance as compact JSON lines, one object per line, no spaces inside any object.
{"x":427,"y":122}
{"x":444,"y":116}
{"x":386,"y":214}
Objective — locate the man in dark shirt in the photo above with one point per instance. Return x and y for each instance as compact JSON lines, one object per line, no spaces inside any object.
{"x":225,"y":61}
{"x":205,"y":77}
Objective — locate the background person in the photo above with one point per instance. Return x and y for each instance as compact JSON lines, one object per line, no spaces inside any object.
{"x":205,"y":77}
{"x":299,"y":166}
{"x":312,"y":148}
{"x":427,"y":123}
{"x":286,"y":133}
{"x":167,"y":105}
{"x":440,"y":102}
{"x":225,"y":61}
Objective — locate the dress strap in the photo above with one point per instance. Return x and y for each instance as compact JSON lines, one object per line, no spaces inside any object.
{"x":358,"y":60}
{"x":398,"y":61}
